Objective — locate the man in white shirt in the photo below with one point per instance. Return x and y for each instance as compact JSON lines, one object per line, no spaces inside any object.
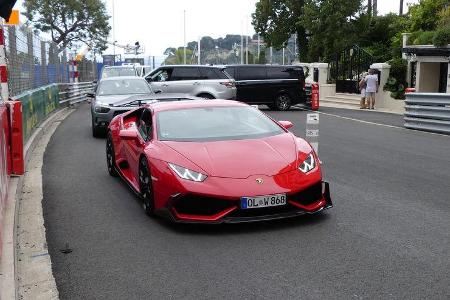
{"x":371,"y":88}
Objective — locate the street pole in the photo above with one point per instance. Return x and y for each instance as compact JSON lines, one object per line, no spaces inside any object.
{"x":242,"y":42}
{"x":114,"y":33}
{"x":246,"y":41}
{"x":271,"y":53}
{"x":283,"y":56}
{"x":199,"y":50}
{"x":259,"y":47}
{"x":184,"y":35}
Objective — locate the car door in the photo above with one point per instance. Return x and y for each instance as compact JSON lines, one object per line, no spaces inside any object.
{"x":160,"y":79}
{"x":251,"y":84}
{"x":134,"y":148}
{"x":185,"y":80}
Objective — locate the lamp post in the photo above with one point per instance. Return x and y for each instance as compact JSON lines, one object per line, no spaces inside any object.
{"x":184,"y":36}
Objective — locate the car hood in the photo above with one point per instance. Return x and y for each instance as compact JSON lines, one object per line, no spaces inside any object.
{"x":241,"y":158}
{"x":113,"y":99}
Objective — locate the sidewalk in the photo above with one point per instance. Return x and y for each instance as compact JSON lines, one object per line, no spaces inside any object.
{"x":351,"y":107}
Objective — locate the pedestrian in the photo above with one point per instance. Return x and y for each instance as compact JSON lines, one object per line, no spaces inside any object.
{"x":362,"y":88}
{"x":372,"y":86}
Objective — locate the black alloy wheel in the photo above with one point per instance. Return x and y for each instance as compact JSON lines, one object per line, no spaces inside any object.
{"x":110,"y":156}
{"x":283,"y":102}
{"x":146,"y":187}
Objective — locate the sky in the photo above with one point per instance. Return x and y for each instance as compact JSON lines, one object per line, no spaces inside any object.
{"x":158,"y":24}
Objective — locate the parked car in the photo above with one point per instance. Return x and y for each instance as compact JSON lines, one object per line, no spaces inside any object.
{"x":215,"y":161}
{"x":143,"y":70}
{"x":202,"y":81}
{"x":117,"y":71}
{"x":110,"y":91}
{"x":279,"y":87}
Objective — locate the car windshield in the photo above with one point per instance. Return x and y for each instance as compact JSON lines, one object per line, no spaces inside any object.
{"x":214,"y":124}
{"x":124,"y":87}
{"x":114,"y":72}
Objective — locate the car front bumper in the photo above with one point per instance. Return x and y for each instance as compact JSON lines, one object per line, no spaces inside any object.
{"x":234,"y":214}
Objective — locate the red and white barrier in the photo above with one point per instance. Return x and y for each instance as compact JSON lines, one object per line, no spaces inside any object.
{"x":5,"y":165}
{"x":3,"y":69}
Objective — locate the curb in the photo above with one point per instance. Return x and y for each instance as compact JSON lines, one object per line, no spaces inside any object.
{"x":8,"y":270}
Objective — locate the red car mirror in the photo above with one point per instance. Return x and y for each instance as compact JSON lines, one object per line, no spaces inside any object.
{"x":286,"y":124}
{"x":128,"y":134}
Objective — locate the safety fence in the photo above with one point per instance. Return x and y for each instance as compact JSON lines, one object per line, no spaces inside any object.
{"x":74,"y":92}
{"x":33,"y":62}
{"x":428,"y":112}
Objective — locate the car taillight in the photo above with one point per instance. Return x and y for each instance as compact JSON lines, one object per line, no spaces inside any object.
{"x":228,"y":84}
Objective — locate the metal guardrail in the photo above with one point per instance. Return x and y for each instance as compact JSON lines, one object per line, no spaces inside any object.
{"x":71,"y":93}
{"x":428,"y":112}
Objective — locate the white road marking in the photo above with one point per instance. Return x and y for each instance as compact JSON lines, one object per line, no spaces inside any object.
{"x":377,"y":124}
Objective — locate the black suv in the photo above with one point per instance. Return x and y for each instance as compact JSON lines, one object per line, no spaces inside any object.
{"x":279,"y":87}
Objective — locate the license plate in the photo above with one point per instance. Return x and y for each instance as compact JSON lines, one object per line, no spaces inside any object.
{"x":263,"y":201}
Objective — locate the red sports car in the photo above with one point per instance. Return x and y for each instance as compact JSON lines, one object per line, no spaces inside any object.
{"x":215,"y":161}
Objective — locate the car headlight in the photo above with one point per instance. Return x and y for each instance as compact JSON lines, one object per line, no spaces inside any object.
{"x":308,"y":164}
{"x":101,"y":109}
{"x":187,"y":174}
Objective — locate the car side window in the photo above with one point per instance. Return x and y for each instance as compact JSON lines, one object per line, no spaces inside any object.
{"x":252,"y":73}
{"x":145,"y":125}
{"x":230,"y":72}
{"x":161,"y":75}
{"x":185,"y":73}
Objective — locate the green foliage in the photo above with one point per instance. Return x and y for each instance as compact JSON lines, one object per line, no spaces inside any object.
{"x":423,"y":15}
{"x":277,"y":20}
{"x":332,"y":25}
{"x":442,"y":37}
{"x":397,"y":80}
{"x":70,"y":21}
{"x":177,"y":57}
{"x":422,"y":37}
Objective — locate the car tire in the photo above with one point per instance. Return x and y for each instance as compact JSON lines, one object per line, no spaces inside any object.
{"x":146,"y":187}
{"x":110,"y":156}
{"x":283,"y":102}
{"x":206,"y":96}
{"x":96,"y":131}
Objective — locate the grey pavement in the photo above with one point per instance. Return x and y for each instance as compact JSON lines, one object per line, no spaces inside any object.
{"x":387,"y":237}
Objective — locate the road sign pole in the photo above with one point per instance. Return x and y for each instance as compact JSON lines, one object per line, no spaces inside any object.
{"x":312,"y":131}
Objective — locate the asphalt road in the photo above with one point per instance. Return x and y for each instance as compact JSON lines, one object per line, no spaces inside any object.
{"x":388,"y":236}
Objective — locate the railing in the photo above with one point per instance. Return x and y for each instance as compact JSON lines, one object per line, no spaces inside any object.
{"x":71,"y":93}
{"x":428,"y":112}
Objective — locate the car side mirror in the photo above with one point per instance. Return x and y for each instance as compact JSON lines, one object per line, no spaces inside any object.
{"x":149,"y":79}
{"x":128,"y":135}
{"x":157,"y":91}
{"x":286,"y":124}
{"x":90,"y":95}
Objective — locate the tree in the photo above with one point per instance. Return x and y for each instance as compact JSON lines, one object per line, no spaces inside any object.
{"x":333,"y":25}
{"x":70,"y":21}
{"x":177,"y":57}
{"x":277,"y":20}
{"x":424,"y":15}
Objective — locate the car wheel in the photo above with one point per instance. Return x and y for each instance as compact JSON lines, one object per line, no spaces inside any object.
{"x":283,"y":102}
{"x":110,"y":156}
{"x":206,"y":96}
{"x":96,"y":131}
{"x":146,"y":187}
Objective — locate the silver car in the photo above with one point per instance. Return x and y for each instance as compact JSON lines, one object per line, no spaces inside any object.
{"x":202,"y":81}
{"x":110,"y":91}
{"x":118,"y":95}
{"x":116,"y":71}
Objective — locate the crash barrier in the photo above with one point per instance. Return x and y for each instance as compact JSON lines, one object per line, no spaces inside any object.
{"x":75,"y":92}
{"x":428,"y":112}
{"x":4,"y":165}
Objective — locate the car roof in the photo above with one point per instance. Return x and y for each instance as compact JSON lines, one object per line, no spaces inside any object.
{"x":122,"y":78}
{"x":119,"y":67}
{"x":187,"y":66}
{"x":164,"y":106}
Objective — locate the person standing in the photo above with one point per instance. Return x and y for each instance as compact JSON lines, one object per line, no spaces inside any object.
{"x":372,"y":86}
{"x":362,"y":88}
